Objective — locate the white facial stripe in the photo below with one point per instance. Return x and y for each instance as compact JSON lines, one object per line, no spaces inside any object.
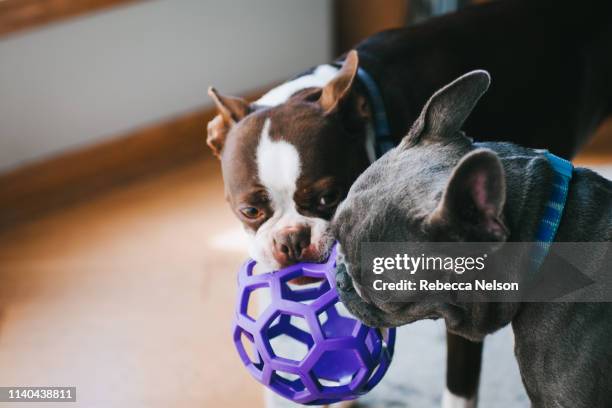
{"x":319,"y":78}
{"x":278,"y":168}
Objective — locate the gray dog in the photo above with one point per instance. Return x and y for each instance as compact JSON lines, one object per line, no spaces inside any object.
{"x":437,"y":185}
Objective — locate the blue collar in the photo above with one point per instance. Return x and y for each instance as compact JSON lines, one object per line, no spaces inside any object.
{"x":553,"y":210}
{"x":383,"y":141}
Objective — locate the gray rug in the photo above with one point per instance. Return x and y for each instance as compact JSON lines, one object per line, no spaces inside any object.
{"x":416,"y":376}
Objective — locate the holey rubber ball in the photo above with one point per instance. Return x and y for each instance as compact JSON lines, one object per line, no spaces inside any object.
{"x":302,"y":343}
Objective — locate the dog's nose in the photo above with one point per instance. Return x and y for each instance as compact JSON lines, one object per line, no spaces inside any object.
{"x":290,"y":244}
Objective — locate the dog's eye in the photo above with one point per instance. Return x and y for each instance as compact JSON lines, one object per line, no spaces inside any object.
{"x":250,"y":212}
{"x":328,"y":199}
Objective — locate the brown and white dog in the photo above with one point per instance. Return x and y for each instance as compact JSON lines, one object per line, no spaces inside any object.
{"x":289,"y":158}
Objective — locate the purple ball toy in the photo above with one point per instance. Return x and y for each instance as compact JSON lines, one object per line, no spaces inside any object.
{"x":303,"y":344}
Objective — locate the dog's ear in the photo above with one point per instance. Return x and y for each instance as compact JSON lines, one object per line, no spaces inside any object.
{"x":446,"y":111}
{"x":473,"y":201}
{"x":231,"y":110}
{"x":217,"y":131}
{"x":338,"y":89}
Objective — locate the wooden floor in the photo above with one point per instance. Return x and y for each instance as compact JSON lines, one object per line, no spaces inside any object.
{"x":128,"y":297}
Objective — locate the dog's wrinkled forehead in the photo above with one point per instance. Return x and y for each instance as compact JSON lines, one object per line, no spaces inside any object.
{"x":386,"y":201}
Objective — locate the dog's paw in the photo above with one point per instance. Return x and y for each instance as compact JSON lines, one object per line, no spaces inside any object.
{"x":450,"y":400}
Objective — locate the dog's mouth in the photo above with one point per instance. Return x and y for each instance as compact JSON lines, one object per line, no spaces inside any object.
{"x":318,"y":256}
{"x":304,"y":280}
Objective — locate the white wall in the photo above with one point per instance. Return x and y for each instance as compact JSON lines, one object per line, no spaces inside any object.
{"x":79,"y":81}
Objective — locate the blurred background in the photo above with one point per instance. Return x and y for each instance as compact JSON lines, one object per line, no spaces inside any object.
{"x":117,"y":251}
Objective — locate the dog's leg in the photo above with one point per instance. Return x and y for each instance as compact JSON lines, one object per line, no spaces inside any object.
{"x":463,"y":362}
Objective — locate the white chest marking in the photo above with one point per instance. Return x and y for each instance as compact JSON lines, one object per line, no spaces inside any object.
{"x":450,"y":400}
{"x":278,"y":166}
{"x":319,"y":78}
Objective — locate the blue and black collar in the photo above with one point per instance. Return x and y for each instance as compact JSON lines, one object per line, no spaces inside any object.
{"x":382,"y":131}
{"x":553,"y":210}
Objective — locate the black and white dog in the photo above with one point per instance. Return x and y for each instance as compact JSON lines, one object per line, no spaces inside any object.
{"x":289,"y":158}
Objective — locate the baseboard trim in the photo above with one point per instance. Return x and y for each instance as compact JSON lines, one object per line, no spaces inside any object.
{"x":38,"y":188}
{"x":601,"y":143}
